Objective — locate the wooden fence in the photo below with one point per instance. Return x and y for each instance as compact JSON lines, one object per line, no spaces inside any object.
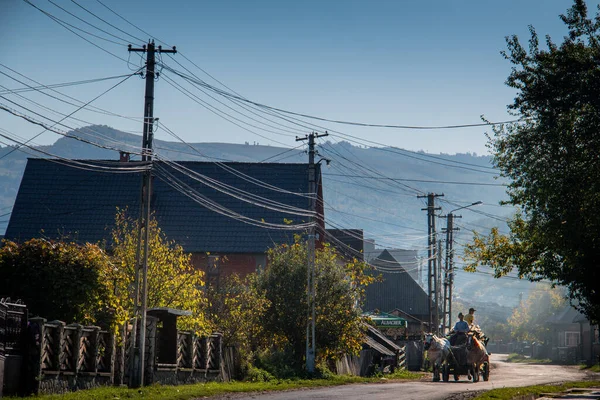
{"x":72,"y":356}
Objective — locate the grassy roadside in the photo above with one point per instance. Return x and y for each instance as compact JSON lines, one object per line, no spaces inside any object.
{"x":518,"y":358}
{"x":511,"y":393}
{"x":185,"y":392}
{"x":593,"y":368}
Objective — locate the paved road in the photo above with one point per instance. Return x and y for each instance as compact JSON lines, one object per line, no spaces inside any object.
{"x":502,"y":375}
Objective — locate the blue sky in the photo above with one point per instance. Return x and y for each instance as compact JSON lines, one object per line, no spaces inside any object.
{"x":385,"y":62}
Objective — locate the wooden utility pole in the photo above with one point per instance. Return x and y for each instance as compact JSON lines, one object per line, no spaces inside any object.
{"x":432,"y":281}
{"x":137,"y":352}
{"x":310,"y":278}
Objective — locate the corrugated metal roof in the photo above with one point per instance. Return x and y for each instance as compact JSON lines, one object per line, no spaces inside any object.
{"x":372,"y":343}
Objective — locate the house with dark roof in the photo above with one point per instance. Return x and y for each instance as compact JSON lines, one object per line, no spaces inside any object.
{"x":79,"y":200}
{"x":572,"y":337}
{"x":398,"y":292}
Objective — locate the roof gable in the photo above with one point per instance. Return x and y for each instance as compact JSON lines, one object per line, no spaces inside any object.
{"x":56,"y":200}
{"x":398,"y":290}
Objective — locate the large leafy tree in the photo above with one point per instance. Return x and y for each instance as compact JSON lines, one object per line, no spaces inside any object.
{"x":59,"y":280}
{"x":172,"y":279}
{"x":339,"y":286}
{"x":551,"y":157}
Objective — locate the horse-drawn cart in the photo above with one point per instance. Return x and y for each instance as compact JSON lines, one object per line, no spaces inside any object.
{"x":467,"y":357}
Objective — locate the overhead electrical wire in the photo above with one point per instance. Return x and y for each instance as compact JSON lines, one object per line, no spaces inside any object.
{"x":180,"y":186}
{"x":88,"y":108}
{"x":216,"y":111}
{"x":107,"y":23}
{"x":279,"y":126}
{"x":60,"y":85}
{"x":237,"y":173}
{"x":236,"y":192}
{"x":73,"y":112}
{"x":88,"y":165}
{"x":46,"y":127}
{"x":306,"y":116}
{"x":415,"y":127}
{"x":423,"y":180}
{"x":88,"y":23}
{"x":65,"y":25}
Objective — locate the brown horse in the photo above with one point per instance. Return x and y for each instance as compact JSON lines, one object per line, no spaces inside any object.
{"x":476,"y":356}
{"x":437,"y":352}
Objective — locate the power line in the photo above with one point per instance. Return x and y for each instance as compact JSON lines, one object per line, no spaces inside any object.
{"x":107,"y":23}
{"x":424,"y":180}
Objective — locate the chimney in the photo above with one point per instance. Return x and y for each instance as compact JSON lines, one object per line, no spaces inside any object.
{"x":124,"y":156}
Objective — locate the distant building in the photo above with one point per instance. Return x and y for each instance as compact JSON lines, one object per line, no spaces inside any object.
{"x":398,"y":293}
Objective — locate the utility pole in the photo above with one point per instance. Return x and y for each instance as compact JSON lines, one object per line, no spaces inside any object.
{"x":310,"y":275}
{"x":449,"y":270}
{"x":438,"y":286}
{"x":138,"y":354}
{"x":432,"y":283}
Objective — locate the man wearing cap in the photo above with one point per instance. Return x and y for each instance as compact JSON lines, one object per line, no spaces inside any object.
{"x":461,"y":327}
{"x":470,"y":317}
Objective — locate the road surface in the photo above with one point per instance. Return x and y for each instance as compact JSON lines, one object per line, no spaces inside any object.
{"x":502,"y":374}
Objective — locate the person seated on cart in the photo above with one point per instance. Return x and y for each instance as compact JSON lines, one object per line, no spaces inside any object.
{"x":458,"y":334}
{"x":470,"y":317}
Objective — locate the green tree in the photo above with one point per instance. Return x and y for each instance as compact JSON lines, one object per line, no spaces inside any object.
{"x":551,"y":159}
{"x":172,"y":280}
{"x":339,"y":286}
{"x":59,"y":280}
{"x":529,"y":320}
{"x":237,"y":308}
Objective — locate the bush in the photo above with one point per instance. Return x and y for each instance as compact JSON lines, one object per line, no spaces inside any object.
{"x":254,"y":374}
{"x":279,"y":364}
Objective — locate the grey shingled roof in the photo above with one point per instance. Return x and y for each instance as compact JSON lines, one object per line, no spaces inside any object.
{"x":55,"y":199}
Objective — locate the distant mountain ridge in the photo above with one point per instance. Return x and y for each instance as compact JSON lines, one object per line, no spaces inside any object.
{"x":358,"y":191}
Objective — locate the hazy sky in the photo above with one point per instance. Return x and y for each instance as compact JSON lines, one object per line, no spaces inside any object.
{"x":385,"y":62}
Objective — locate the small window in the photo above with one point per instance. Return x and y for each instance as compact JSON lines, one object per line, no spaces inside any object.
{"x":571,"y":339}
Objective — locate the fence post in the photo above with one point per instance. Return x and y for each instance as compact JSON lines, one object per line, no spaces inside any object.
{"x":35,"y":345}
{"x":94,"y":335}
{"x":76,"y":347}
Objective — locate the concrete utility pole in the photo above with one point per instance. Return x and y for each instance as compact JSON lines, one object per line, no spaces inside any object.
{"x":138,"y":354}
{"x":310,"y":279}
{"x":432,"y":283}
{"x":449,"y":271}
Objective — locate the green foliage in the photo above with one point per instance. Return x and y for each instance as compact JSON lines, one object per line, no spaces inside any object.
{"x":172,"y":280}
{"x":339,"y":286}
{"x":255,"y":374}
{"x":236,"y":308}
{"x":59,"y":280}
{"x":519,"y":358}
{"x":279,"y":363}
{"x":208,"y":389}
{"x":528,"y":321}
{"x":532,"y":391}
{"x":550,"y":157}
